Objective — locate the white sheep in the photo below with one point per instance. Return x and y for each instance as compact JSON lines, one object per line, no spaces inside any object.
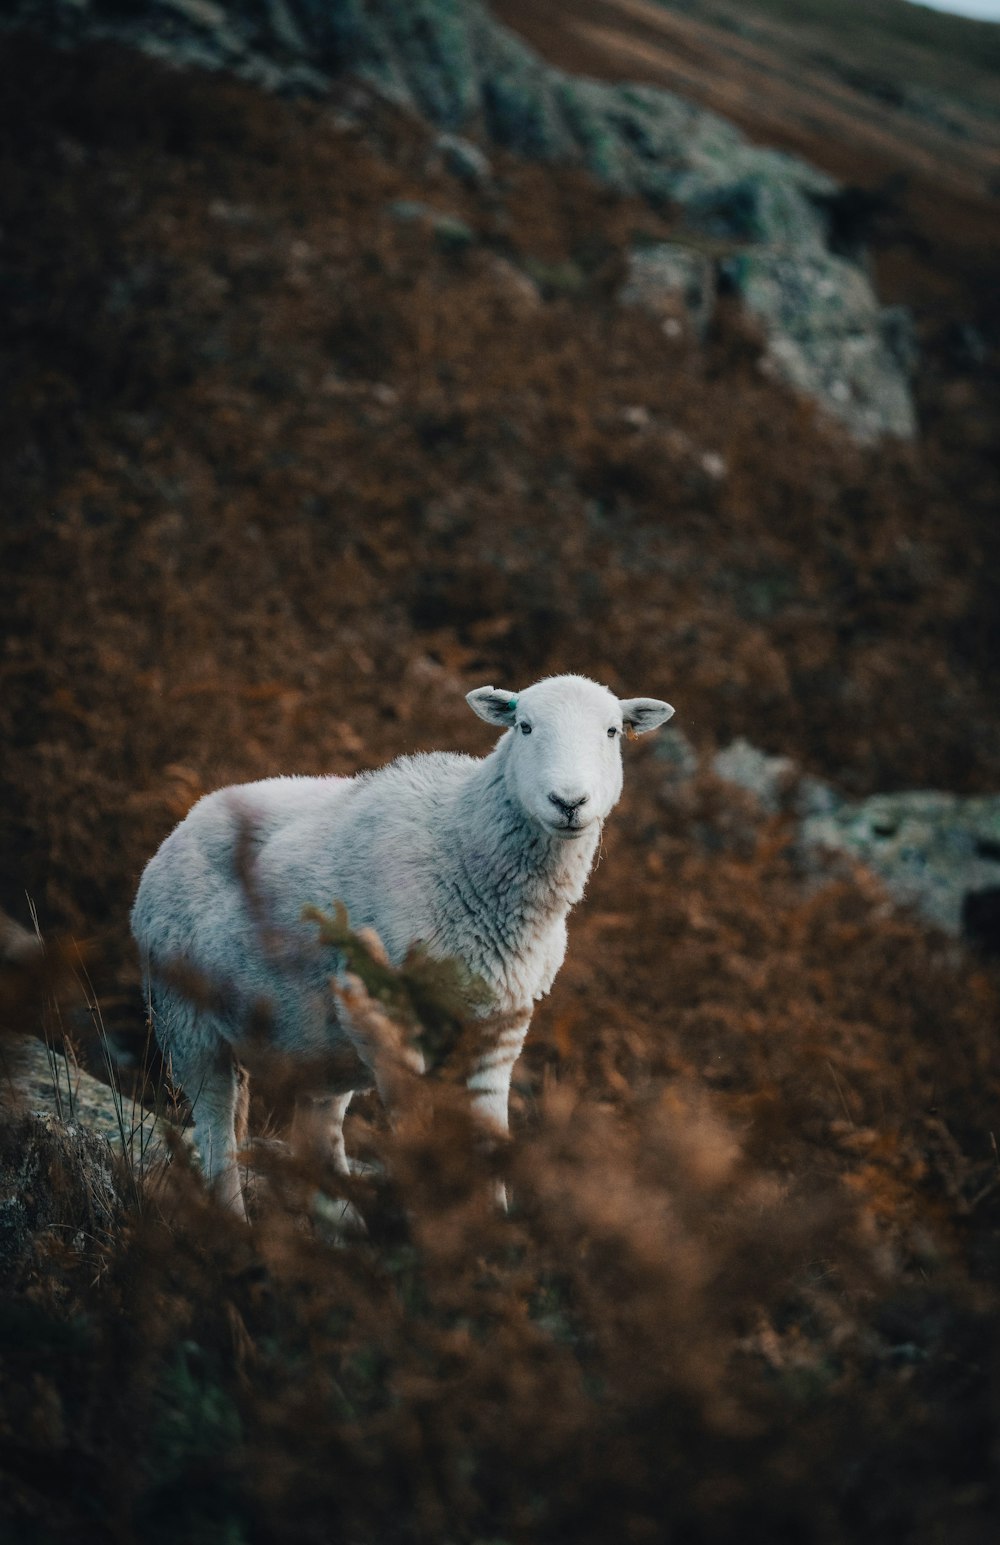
{"x":478,"y":859}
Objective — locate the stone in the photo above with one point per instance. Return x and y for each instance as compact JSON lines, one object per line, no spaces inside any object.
{"x":827,"y":336}
{"x":17,"y":944}
{"x":671,"y":281}
{"x":937,"y":852}
{"x":518,"y":290}
{"x":45,"y":1083}
{"x":768,"y":778}
{"x":761,"y":207}
{"x":59,"y":1187}
{"x":450,"y":232}
{"x":678,"y":756}
{"x":464,"y":159}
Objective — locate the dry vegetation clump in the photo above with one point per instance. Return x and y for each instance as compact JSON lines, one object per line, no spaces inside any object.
{"x":665,"y":1337}
{"x":746,"y":1286}
{"x":284,"y":473}
{"x":493,"y":1378}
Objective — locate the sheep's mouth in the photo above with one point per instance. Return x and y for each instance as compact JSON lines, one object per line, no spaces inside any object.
{"x":565,"y":829}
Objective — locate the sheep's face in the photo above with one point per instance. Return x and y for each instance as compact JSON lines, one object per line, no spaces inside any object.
{"x":564,"y":763}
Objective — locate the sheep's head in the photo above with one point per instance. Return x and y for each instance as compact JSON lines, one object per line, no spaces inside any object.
{"x":564,"y":763}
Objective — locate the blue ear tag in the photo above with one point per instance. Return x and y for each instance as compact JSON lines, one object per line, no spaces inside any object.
{"x":512,"y":704}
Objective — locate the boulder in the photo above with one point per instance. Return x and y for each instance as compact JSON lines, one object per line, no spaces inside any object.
{"x":827,"y":336}
{"x":768,"y":778}
{"x":464,"y":159}
{"x":449,"y":231}
{"x":934,"y":851}
{"x":59,"y":1188}
{"x":43,"y":1082}
{"x":671,"y":282}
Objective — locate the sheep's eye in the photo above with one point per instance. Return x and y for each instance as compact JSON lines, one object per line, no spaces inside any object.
{"x":612,"y":732}
{"x":525,"y":728}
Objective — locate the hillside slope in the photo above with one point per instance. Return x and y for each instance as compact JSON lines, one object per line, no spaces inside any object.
{"x":766,"y":226}
{"x":897,"y":100}
{"x":312,"y":422}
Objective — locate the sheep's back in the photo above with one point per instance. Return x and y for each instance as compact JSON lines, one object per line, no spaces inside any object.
{"x":378,"y":851}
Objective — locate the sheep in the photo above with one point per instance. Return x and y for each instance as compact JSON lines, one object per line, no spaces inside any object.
{"x":478,"y":859}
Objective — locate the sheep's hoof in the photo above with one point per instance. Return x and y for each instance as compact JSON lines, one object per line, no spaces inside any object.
{"x":335,"y":1219}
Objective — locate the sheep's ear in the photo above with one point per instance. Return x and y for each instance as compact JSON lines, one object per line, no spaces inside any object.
{"x":640,"y":714}
{"x":493,"y":704}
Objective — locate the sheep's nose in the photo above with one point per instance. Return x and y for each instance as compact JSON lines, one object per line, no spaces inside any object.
{"x":569,"y":807}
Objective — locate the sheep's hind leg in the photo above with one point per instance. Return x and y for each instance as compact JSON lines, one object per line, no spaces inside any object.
{"x":214,"y":1087}
{"x":201,"y":1063}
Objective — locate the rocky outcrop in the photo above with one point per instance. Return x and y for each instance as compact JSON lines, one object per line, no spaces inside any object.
{"x":934,"y":851}
{"x":828,"y":336}
{"x":40,"y":1081}
{"x":758,"y":217}
{"x":71,"y":1155}
{"x":674,"y":283}
{"x":59,"y":1187}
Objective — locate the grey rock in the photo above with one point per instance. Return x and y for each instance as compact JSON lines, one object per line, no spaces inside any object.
{"x":17,"y":943}
{"x":448,"y":230}
{"x":45,"y":1083}
{"x":935,"y":851}
{"x":671,"y":281}
{"x":899,"y":336}
{"x":464,"y":159}
{"x":58,"y":1182}
{"x":334,"y":30}
{"x":813,"y":797}
{"x":678,"y":755}
{"x":426,"y":50}
{"x":828,"y":337}
{"x":768,"y":778}
{"x":766,"y":206}
{"x":521,"y":293}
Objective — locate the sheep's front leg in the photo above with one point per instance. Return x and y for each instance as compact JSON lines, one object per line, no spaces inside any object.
{"x":489,"y":1082}
{"x":318,"y":1129}
{"x":318,"y":1135}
